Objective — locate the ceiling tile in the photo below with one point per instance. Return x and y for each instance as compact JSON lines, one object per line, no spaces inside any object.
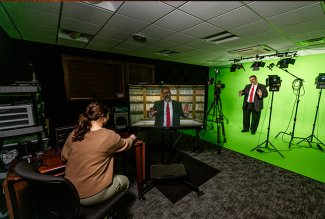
{"x":24,"y":16}
{"x":308,"y":35}
{"x":178,"y":21}
{"x":48,"y":7}
{"x":157,"y":32}
{"x":127,"y":24}
{"x":304,"y":14}
{"x":79,"y":26}
{"x":306,"y":27}
{"x":102,"y":43}
{"x":271,"y":8}
{"x":71,"y":43}
{"x":38,"y":37}
{"x":251,"y":29}
{"x":202,"y":30}
{"x":150,"y":11}
{"x":178,"y":39}
{"x":86,"y":12}
{"x":235,"y":18}
{"x":175,"y":4}
{"x":113,"y":33}
{"x":209,"y":9}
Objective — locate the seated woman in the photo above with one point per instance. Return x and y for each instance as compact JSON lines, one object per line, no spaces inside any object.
{"x":89,"y":152}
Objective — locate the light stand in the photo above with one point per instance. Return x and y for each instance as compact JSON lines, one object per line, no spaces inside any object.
{"x":309,"y":139}
{"x":295,"y":118}
{"x":268,"y":133}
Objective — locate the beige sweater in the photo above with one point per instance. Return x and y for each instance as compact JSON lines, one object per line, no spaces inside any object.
{"x":90,"y":162}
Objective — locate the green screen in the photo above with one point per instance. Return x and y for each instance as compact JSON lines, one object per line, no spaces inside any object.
{"x":300,"y":158}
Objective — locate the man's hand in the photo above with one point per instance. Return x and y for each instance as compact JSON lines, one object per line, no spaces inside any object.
{"x":152,"y":112}
{"x":259,"y":92}
{"x":186,"y":109}
{"x":240,"y":93}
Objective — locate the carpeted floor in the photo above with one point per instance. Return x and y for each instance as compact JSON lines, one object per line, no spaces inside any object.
{"x":175,"y":188}
{"x":245,"y":188}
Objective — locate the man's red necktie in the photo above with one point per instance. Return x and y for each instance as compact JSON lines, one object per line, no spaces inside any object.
{"x":167,"y":115}
{"x":251,"y":94}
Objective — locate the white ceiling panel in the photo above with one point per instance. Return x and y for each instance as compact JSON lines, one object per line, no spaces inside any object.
{"x":308,"y":35}
{"x":157,"y":32}
{"x":306,"y":27}
{"x":172,"y":25}
{"x":202,"y":30}
{"x":150,"y":11}
{"x":86,"y":12}
{"x":175,"y":4}
{"x":304,"y":14}
{"x":209,"y":9}
{"x":126,"y":24}
{"x":178,"y":39}
{"x":178,"y":21}
{"x":113,"y":34}
{"x":271,"y":8}
{"x":251,"y":29}
{"x":235,"y":18}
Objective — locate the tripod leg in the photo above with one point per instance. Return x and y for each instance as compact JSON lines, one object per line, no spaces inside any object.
{"x":258,"y":146}
{"x":319,"y":144}
{"x":223,"y":132}
{"x":276,"y":149}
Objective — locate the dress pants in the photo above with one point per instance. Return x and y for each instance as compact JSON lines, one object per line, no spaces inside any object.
{"x":247,"y":112}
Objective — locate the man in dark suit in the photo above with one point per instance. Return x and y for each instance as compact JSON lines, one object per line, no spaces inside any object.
{"x":253,"y":104}
{"x":167,"y":112}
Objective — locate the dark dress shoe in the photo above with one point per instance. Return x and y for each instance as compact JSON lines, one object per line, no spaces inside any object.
{"x":253,"y":133}
{"x":244,"y":130}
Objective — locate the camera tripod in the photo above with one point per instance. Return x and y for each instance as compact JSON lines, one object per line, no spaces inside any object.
{"x":292,"y":134}
{"x":309,"y":139}
{"x":268,"y":134}
{"x":218,"y":117}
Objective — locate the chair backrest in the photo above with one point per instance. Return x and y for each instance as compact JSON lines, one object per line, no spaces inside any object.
{"x":52,"y":195}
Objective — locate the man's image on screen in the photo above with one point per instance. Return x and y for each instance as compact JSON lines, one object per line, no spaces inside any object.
{"x":167,"y":112}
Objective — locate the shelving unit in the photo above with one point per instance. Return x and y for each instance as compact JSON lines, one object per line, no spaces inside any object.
{"x":30,"y":124}
{"x":142,"y":97}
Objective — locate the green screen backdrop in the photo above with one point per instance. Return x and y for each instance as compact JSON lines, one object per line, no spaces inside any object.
{"x":299,"y":158}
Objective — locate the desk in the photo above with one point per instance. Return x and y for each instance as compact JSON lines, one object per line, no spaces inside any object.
{"x":16,"y":189}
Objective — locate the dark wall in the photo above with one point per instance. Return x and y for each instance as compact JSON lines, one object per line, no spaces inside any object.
{"x":4,"y":43}
{"x":47,"y":64}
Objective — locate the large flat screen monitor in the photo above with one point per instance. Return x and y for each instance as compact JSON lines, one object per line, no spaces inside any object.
{"x":190,"y":99}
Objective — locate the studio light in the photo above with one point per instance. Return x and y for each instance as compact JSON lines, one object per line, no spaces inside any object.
{"x":284,"y":63}
{"x":235,"y":66}
{"x":256,"y":65}
{"x":273,"y":82}
{"x":320,"y":81}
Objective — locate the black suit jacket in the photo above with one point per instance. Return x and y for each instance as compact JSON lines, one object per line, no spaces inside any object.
{"x":258,"y":101}
{"x":177,"y":113}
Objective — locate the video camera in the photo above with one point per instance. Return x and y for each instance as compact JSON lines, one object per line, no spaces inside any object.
{"x":218,"y":84}
{"x":273,"y":82}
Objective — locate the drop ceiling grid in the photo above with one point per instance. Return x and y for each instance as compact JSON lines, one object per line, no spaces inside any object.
{"x":169,"y":25}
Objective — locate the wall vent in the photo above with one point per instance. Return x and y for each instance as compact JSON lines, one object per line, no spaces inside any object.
{"x":166,"y":52}
{"x":221,"y":37}
{"x":252,"y":51}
